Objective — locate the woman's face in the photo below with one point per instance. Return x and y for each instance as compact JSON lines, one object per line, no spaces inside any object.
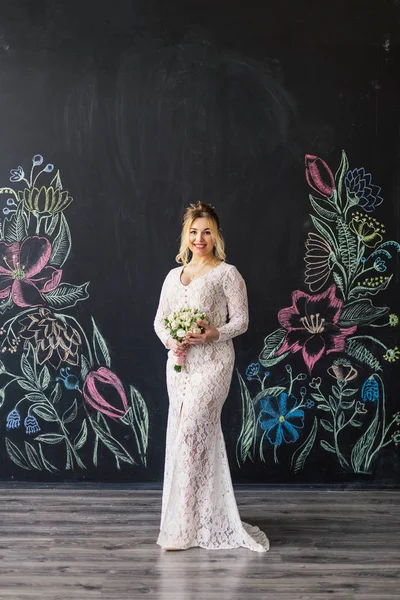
{"x":201,"y":241}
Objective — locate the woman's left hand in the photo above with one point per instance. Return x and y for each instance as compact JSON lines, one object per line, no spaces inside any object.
{"x":211,"y":334}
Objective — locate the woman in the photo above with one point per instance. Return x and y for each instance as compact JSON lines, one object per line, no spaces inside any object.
{"x":198,"y":505}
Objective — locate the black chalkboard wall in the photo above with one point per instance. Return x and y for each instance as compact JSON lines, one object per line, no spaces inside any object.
{"x":285,"y":116}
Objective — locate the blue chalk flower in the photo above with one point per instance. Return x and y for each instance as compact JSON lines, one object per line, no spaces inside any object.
{"x":282,"y":420}
{"x":13,"y":419}
{"x":370,"y":390}
{"x":31,"y":425}
{"x":359,"y":186}
{"x":71,"y":382}
{"x":252,"y":371}
{"x":380,"y":265}
{"x":17,"y":174}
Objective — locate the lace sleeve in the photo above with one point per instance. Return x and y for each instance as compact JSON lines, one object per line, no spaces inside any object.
{"x":238,"y":312}
{"x":162,"y":311}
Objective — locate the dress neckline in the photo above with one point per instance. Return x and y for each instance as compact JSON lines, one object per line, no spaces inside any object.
{"x":200,"y":276}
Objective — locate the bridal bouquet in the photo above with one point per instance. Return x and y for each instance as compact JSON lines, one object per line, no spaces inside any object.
{"x":182,"y":322}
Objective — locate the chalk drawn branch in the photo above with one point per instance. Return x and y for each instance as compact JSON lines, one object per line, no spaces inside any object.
{"x":57,"y":388}
{"x":347,"y":266}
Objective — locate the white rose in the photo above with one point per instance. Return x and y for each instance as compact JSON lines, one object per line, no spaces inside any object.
{"x":181,"y":333}
{"x":194,"y":329}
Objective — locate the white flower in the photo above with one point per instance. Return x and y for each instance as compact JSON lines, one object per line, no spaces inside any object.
{"x":180,"y":333}
{"x":194,"y":329}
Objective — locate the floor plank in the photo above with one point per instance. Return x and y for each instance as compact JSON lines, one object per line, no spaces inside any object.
{"x":63,"y":543}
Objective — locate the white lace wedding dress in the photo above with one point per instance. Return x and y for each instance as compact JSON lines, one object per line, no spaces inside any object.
{"x":198,"y":504}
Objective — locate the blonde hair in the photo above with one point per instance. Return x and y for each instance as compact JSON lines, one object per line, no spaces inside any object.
{"x":195,"y":211}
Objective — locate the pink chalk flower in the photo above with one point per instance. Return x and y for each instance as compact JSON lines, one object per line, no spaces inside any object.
{"x":312,"y":325}
{"x":319,"y":176}
{"x":102,"y":384}
{"x":25,"y":272}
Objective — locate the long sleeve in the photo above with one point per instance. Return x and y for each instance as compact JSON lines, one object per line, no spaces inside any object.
{"x":238,"y":312}
{"x":163,"y":310}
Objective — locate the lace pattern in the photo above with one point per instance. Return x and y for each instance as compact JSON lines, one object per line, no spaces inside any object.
{"x":198,"y":504}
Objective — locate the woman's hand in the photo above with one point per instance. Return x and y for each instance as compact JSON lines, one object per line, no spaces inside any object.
{"x":211,"y":334}
{"x":177,"y":348}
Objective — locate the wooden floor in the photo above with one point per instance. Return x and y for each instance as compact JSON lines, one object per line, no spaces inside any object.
{"x":83,"y":544}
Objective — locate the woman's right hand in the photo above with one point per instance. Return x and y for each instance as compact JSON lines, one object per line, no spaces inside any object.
{"x":177,"y":348}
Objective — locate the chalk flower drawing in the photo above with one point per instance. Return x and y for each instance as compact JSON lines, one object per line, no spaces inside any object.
{"x":319,"y":260}
{"x":46,"y":200}
{"x":56,"y":378}
{"x":26,"y":274}
{"x":333,"y":329}
{"x":367,"y":229}
{"x":342,"y":370}
{"x":53,"y":340}
{"x":359,"y":186}
{"x":102,"y":379}
{"x":319,"y":176}
{"x":281,"y":418}
{"x":312,"y":325}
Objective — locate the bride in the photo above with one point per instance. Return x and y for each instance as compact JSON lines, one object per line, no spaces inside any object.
{"x":198,"y":503}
